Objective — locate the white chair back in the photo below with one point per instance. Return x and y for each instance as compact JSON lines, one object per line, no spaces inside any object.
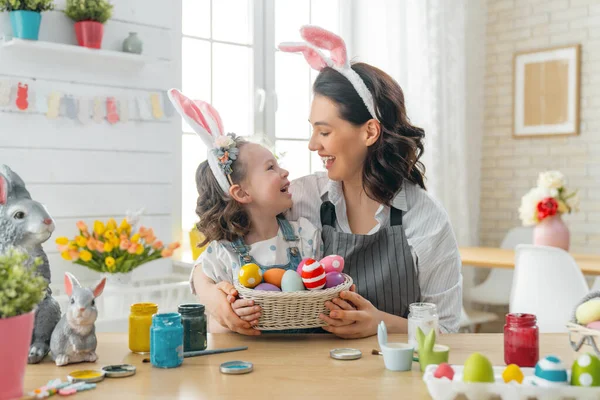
{"x":495,"y":290}
{"x":547,"y":283}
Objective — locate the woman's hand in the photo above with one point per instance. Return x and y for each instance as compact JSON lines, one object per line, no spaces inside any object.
{"x":349,"y":322}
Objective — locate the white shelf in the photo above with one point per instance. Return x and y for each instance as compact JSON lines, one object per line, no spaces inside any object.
{"x":76,"y":56}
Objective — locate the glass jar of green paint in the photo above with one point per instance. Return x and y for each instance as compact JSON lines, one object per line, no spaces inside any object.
{"x":194,"y":326}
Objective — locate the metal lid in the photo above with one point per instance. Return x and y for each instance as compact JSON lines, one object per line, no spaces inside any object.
{"x":236,"y":367}
{"x":345,"y":354}
{"x":119,"y":370}
{"x":86,"y":375}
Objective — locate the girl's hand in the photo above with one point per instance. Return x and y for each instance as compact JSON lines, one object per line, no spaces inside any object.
{"x":236,"y":315}
{"x":353,"y":323}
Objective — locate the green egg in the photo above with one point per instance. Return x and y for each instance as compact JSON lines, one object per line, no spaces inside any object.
{"x":478,"y":369}
{"x":586,"y":371}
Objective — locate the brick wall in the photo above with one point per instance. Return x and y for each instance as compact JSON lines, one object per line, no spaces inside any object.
{"x":510,"y":166}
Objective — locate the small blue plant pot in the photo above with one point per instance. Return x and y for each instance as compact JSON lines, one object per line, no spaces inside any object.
{"x":25,"y":24}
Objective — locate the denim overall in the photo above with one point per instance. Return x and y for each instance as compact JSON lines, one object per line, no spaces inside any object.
{"x":294,"y":258}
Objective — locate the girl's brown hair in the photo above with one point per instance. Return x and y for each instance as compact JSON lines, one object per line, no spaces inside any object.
{"x":395,"y":156}
{"x":221,"y":217}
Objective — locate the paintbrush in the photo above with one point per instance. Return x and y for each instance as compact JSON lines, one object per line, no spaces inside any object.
{"x":188,"y":354}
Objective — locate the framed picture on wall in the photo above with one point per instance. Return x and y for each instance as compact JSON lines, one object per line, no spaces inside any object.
{"x":546,"y":92}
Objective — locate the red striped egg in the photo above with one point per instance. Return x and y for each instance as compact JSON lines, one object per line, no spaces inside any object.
{"x":313,"y":275}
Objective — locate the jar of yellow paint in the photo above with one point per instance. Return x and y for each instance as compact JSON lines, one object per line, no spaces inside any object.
{"x":140,"y":320}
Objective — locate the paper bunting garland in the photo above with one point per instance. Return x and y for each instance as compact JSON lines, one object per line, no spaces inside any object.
{"x":4,"y":93}
{"x":53,"y":105}
{"x":25,"y":96}
{"x":22,"y":94}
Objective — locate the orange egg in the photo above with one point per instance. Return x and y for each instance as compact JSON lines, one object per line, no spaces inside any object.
{"x":273,"y":276}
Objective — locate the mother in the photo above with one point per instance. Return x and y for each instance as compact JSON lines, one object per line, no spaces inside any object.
{"x":396,"y":239}
{"x":372,"y":204}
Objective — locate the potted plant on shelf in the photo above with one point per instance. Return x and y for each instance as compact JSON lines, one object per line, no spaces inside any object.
{"x":543,"y":207}
{"x":21,"y":290}
{"x":26,"y":16}
{"x":114,"y":250}
{"x":89,"y":17}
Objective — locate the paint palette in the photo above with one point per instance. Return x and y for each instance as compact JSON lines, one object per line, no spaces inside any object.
{"x":86,"y":375}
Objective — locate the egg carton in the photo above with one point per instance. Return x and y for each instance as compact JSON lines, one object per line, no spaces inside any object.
{"x":445,"y":389}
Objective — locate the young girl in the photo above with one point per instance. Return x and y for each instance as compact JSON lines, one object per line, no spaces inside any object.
{"x":242,"y":195}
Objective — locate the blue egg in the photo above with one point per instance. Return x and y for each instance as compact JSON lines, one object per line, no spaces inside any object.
{"x":550,"y":371}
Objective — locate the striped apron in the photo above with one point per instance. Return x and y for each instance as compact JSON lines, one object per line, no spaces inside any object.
{"x":380,"y":264}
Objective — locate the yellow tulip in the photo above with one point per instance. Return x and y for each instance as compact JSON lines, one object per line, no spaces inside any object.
{"x":135,"y":238}
{"x":111,"y":268}
{"x":99,"y":227}
{"x":115,"y":242}
{"x":139,"y":250}
{"x":109,"y":234}
{"x":63,"y":241}
{"x":73,"y":245}
{"x":125,"y":227}
{"x":81,"y":241}
{"x":85,"y":255}
{"x":66,"y":255}
{"x":108,"y":247}
{"x":110,"y":263}
{"x":111,"y":224}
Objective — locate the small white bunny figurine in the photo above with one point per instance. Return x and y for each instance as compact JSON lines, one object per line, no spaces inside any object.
{"x":74,"y":338}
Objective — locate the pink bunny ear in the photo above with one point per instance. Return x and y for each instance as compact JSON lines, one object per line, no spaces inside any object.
{"x":314,"y":57}
{"x":70,"y":283}
{"x":199,"y":115}
{"x":99,"y":288}
{"x":3,"y":190}
{"x":212,"y":118}
{"x":324,"y":39}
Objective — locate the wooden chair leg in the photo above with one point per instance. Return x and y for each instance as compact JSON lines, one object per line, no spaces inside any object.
{"x":477,"y":328}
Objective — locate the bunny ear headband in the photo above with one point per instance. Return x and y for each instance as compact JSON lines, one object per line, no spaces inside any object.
{"x":206,"y":122}
{"x":319,"y":38}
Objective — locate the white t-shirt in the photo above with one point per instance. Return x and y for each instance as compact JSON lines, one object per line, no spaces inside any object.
{"x":220,"y":263}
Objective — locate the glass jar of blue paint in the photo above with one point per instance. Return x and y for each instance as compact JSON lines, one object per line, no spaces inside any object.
{"x":194,"y":326}
{"x":166,"y":340}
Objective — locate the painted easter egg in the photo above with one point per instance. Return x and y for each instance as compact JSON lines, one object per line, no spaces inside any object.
{"x":273,"y":276}
{"x":304,"y":261}
{"x":333,"y":279}
{"x":512,"y":373}
{"x":594,"y":325}
{"x":313,"y":275}
{"x":444,"y":371}
{"x":586,"y":371}
{"x":268,"y":287}
{"x":291,"y":282}
{"x":478,"y":369}
{"x":550,"y":371}
{"x":250,"y":275}
{"x":333,"y":263}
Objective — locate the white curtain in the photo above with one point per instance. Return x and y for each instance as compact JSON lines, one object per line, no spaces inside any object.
{"x":435,"y":50}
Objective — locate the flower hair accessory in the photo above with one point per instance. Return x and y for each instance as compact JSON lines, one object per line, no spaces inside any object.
{"x":206,"y":122}
{"x":319,"y":38}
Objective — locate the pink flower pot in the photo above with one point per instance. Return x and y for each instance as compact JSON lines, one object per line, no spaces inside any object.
{"x":552,"y":231}
{"x":14,"y":347}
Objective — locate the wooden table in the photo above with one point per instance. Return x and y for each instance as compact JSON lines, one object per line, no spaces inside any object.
{"x":492,"y":257}
{"x":286,"y":367}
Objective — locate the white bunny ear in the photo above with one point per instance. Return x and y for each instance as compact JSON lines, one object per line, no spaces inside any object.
{"x":201,"y":116}
{"x":327,"y":40}
{"x":99,"y":288}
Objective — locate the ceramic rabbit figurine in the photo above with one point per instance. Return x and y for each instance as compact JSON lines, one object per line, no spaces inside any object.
{"x":74,"y":338}
{"x":429,"y":352}
{"x":25,"y":224}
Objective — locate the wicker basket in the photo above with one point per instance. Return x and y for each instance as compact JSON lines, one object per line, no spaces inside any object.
{"x":580,"y":335}
{"x":292,"y":310}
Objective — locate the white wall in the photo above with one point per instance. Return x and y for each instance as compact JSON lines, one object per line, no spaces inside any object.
{"x":99,"y":170}
{"x":511,"y":166}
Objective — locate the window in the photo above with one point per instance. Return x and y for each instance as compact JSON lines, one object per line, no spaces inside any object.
{"x":229,"y":59}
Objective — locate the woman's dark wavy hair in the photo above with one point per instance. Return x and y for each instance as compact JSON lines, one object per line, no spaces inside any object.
{"x":221,"y":217}
{"x":395,"y":156}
